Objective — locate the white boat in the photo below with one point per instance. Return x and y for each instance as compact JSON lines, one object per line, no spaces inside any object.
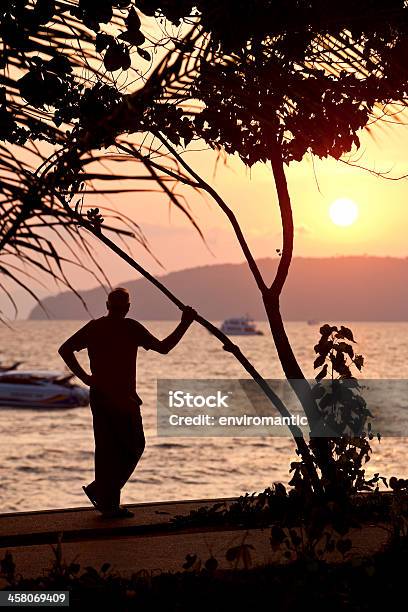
{"x":240,"y":326}
{"x":40,"y":389}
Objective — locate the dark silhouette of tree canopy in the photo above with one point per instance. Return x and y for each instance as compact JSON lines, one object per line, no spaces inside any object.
{"x":268,"y":80}
{"x":312,"y":69}
{"x":59,"y":81}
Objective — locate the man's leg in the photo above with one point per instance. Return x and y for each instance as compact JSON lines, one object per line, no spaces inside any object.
{"x":105,"y":488}
{"x":119,"y":444}
{"x":132,"y":441}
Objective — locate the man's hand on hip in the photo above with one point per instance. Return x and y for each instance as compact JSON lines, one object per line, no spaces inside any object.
{"x":88,"y":380}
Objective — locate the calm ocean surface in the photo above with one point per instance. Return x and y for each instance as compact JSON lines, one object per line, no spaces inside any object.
{"x":46,"y":457}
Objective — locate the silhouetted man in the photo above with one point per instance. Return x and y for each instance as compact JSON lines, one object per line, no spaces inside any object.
{"x":112,"y":342}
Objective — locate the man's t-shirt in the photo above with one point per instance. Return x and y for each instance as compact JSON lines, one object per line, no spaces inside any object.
{"x":112,"y":345}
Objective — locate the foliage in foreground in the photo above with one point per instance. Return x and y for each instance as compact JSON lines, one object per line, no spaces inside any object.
{"x":308,"y":532}
{"x":345,"y":412}
{"x":357,"y":584}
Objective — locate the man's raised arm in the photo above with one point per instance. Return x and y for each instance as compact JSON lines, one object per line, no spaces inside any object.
{"x":167,"y":344}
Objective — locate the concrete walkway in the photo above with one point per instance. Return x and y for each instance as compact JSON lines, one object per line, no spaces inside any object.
{"x":42,"y":527}
{"x":146,"y":542}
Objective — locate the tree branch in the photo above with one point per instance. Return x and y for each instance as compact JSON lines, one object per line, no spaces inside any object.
{"x":201,"y":183}
{"x":287,"y":223}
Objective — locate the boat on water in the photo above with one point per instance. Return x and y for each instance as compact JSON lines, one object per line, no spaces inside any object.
{"x":240,"y":326}
{"x":40,"y":389}
{"x":13,"y":366}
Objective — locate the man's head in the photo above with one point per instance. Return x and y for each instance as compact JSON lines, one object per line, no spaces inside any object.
{"x":118,"y":302}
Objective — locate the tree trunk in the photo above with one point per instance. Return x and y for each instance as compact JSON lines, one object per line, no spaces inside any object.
{"x":271,"y":298}
{"x":290,"y":365}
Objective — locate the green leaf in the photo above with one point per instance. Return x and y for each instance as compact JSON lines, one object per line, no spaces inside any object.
{"x":211,"y":564}
{"x":326,"y":329}
{"x":319,"y":361}
{"x":346,"y":333}
{"x":343,"y":347}
{"x":102,"y":41}
{"x":133,"y":20}
{"x":277,"y":535}
{"x":190,"y":560}
{"x":358,"y":361}
{"x":322,"y":372}
{"x":144,"y":54}
{"x":233,"y":553}
{"x":280,"y":489}
{"x":324,"y":346}
{"x":133,"y":35}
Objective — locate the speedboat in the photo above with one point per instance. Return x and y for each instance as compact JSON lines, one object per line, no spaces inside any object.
{"x":240,"y":326}
{"x":41,"y":389}
{"x":13,"y":366}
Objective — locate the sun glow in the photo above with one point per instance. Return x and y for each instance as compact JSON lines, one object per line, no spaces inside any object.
{"x":343,"y":212}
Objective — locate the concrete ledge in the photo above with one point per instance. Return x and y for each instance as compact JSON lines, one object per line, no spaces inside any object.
{"x":76,"y":524}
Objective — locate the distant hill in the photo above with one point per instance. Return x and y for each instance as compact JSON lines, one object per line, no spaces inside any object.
{"x":341,"y":288}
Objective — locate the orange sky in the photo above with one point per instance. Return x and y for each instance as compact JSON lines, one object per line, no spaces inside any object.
{"x":381,"y":228}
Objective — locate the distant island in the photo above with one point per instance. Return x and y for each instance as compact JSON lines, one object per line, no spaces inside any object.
{"x":360,"y":288}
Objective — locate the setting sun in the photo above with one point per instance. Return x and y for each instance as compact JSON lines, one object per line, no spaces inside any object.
{"x":343,"y":212}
